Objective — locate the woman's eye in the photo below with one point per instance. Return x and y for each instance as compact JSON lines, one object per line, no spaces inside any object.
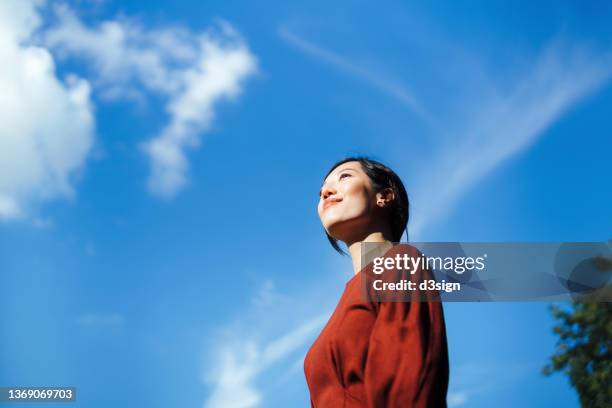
{"x":344,"y":174}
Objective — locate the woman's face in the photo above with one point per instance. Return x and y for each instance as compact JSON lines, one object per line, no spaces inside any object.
{"x":346,"y":201}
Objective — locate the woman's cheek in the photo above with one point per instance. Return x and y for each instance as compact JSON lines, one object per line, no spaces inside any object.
{"x":359,"y":203}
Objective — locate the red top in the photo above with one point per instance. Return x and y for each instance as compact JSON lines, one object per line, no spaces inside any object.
{"x":380,"y":354}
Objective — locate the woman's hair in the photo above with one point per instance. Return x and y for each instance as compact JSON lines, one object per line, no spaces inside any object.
{"x":381,"y":177}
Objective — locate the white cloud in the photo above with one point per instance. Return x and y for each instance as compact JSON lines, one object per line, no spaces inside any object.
{"x":241,"y":361}
{"x":218,"y":74}
{"x":242,"y":357}
{"x":192,"y":71}
{"x":46,"y":125}
{"x":124,"y":55}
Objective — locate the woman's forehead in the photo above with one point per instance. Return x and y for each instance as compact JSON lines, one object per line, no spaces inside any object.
{"x":352,"y":165}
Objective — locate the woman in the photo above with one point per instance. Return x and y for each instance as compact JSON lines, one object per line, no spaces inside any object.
{"x":374,"y":353}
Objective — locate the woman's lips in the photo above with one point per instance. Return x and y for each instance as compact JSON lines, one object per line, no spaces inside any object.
{"x":329,"y":202}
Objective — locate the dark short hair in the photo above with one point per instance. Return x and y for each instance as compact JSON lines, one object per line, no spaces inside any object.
{"x":381,"y":177}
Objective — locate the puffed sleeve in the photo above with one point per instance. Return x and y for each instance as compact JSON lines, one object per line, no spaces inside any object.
{"x":407,"y":359}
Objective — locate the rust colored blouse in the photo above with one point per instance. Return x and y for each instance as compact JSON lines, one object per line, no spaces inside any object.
{"x":378,"y":354}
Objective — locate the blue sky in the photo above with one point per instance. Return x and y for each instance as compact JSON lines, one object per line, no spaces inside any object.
{"x":159,"y":243}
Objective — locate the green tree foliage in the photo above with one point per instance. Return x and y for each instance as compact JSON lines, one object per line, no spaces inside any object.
{"x":584,"y":349}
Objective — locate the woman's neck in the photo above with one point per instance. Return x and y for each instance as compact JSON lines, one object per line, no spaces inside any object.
{"x":378,"y":245}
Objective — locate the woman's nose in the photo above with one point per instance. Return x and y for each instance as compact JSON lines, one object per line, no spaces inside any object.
{"x":327,"y":191}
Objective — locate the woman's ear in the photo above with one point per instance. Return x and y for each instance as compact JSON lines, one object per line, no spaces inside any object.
{"x":385,"y":197}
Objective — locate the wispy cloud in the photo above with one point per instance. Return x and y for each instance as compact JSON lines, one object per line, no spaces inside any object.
{"x":193,"y":71}
{"x":383,"y":83}
{"x":472,"y":380}
{"x":501,"y":127}
{"x":217,"y":75}
{"x":243,"y":355}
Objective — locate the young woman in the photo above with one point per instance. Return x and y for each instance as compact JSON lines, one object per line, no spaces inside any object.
{"x":374,"y":354}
